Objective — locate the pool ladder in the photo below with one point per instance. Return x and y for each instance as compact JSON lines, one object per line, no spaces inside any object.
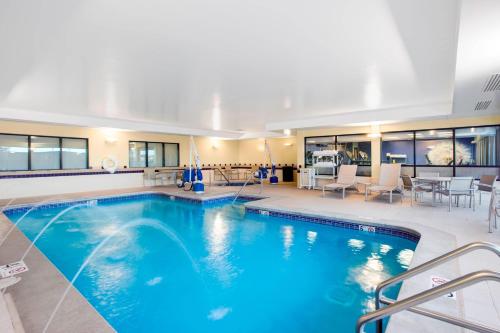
{"x":250,"y":177}
{"x":411,"y":303}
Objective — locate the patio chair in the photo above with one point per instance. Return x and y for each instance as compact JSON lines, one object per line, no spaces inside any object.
{"x":149,"y":177}
{"x":416,"y":189}
{"x":388,"y":181}
{"x":345,"y":179}
{"x":459,"y":186}
{"x":486,"y":184}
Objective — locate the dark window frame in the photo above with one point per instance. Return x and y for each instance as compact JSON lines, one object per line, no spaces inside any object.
{"x":335,"y":145}
{"x":60,"y":151}
{"x":453,"y":166}
{"x":162,"y":153}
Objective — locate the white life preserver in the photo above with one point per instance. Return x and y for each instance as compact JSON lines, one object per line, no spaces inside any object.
{"x":110,"y":164}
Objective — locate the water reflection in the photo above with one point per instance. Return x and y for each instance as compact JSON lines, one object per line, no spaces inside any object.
{"x":404,"y":258}
{"x":369,"y":304}
{"x":369,"y":275}
{"x":384,"y":248}
{"x":356,"y":244}
{"x":217,"y":235}
{"x":287,"y":234}
{"x":311,"y":238}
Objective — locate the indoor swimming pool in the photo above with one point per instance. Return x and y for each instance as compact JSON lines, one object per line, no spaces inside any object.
{"x":167,"y":265}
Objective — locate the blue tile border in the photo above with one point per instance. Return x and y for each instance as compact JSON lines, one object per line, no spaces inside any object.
{"x":126,"y":197}
{"x":67,"y":174}
{"x":338,"y":223}
{"x":379,"y":229}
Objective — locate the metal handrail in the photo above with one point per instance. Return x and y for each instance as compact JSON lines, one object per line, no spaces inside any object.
{"x":428,"y":265}
{"x":446,"y":318}
{"x":223,"y":175}
{"x":411,"y":302}
{"x":245,"y":184}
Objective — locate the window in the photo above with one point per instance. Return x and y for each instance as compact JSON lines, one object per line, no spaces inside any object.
{"x":434,"y":152}
{"x":137,"y":154}
{"x":356,"y":149}
{"x":313,"y":144}
{"x":434,"y":147}
{"x":74,"y":153}
{"x":14,"y":152}
{"x":398,"y":147}
{"x":36,"y":152}
{"x":477,"y":146}
{"x":45,"y":153}
{"x":153,"y":154}
{"x":171,"y":151}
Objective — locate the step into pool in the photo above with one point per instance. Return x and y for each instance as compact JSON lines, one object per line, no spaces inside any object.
{"x":186,"y":267}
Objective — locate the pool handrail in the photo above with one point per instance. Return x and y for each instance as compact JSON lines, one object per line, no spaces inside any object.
{"x":426,"y":266}
{"x":411,"y":302}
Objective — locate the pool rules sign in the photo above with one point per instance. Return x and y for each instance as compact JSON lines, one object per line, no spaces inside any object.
{"x":12,"y":269}
{"x":437,"y":281}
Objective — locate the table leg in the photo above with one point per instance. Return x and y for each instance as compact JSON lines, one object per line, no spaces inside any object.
{"x":433,"y":194}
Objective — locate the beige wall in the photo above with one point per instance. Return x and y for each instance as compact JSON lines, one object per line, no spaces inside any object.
{"x":429,"y":124}
{"x":284,"y":151}
{"x":217,"y":151}
{"x":108,"y":142}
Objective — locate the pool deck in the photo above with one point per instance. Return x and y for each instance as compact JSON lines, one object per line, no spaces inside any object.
{"x":441,"y":231}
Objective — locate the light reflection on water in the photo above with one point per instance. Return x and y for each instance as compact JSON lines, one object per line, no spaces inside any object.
{"x":404,"y":258}
{"x":384,"y":248}
{"x":287,"y":234}
{"x":217,"y":232}
{"x":370,"y":274}
{"x":311,"y":239}
{"x":356,"y":244}
{"x":372,"y":271}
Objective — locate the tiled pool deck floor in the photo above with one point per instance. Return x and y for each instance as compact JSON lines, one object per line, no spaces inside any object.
{"x":440,"y":231}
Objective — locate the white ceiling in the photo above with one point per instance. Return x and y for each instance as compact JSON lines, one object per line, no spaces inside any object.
{"x":227,"y":68}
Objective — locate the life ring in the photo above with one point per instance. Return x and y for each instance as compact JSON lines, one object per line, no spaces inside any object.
{"x":110,"y":164}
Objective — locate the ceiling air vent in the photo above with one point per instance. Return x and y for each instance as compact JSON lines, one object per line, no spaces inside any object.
{"x":493,"y":83}
{"x":483,"y":105}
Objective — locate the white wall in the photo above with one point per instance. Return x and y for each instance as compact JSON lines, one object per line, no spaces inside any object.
{"x":38,"y":186}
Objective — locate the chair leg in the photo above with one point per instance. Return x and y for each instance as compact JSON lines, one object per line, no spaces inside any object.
{"x":449,"y":203}
{"x":343,"y":193}
{"x":479,"y":198}
{"x":323,"y":191}
{"x":390,"y":197}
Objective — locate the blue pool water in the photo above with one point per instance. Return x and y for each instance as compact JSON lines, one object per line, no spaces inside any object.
{"x":215,"y":268}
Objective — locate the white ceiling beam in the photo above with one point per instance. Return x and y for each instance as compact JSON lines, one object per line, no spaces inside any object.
{"x":124,"y":124}
{"x":396,"y":114}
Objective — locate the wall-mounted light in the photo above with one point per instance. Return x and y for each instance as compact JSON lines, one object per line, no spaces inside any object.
{"x":215,"y":143}
{"x":288,"y":144}
{"x":287,"y":131}
{"x":110,"y":140}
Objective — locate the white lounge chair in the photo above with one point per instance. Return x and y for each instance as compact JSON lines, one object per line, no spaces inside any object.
{"x":388,"y":181}
{"x":345,"y":179}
